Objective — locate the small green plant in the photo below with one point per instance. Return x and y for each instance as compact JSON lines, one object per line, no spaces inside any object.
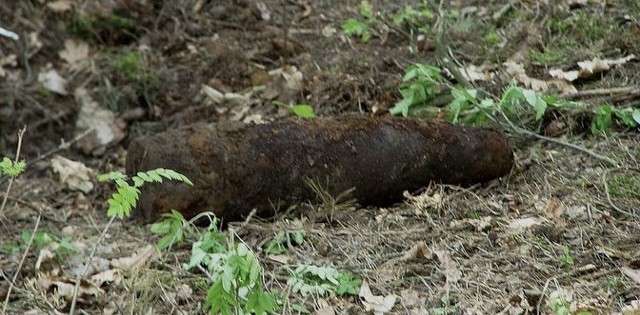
{"x":414,"y":17}
{"x":356,"y":27}
{"x":173,"y":229}
{"x":129,"y":79}
{"x":280,"y":243}
{"x":420,"y":84}
{"x":11,"y":168}
{"x":126,"y":196}
{"x":615,"y":283}
{"x":550,"y":56}
{"x":565,"y":258}
{"x":626,"y":185}
{"x":490,"y":39}
{"x":123,"y":200}
{"x":605,"y":114}
{"x":560,"y":302}
{"x":61,"y":248}
{"x":300,"y":110}
{"x":423,"y":89}
{"x":130,"y":64}
{"x":330,"y":204}
{"x":446,"y":308}
{"x":321,"y":281}
{"x":236,"y":276}
{"x":234,"y":270}
{"x":95,"y":29}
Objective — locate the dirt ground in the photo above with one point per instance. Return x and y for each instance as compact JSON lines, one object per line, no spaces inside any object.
{"x":562,"y":229}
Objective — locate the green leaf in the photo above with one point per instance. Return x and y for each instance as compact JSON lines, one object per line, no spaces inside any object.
{"x":626,"y":115}
{"x":299,"y":308}
{"x":303,"y":111}
{"x":152,"y":176}
{"x":401,"y":107}
{"x":365,"y":10}
{"x":219,"y":300}
{"x":636,"y":115}
{"x":602,"y":120}
{"x":348,"y":285}
{"x":298,"y":236}
{"x":456,"y":107}
{"x":172,"y":229}
{"x":539,"y":105}
{"x":261,"y":302}
{"x":11,"y":168}
{"x":354,"y":27}
{"x":111,"y":176}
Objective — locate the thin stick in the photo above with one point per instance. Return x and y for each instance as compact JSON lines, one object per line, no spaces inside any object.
{"x":22,"y":259}
{"x":576,"y":147}
{"x":604,"y":92}
{"x":11,"y":178}
{"x":86,"y":267}
{"x":63,"y":146}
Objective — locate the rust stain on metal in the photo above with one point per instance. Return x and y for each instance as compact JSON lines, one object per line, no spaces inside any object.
{"x":237,"y":167}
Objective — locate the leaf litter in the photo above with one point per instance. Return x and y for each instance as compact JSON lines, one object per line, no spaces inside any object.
{"x":482,"y":250}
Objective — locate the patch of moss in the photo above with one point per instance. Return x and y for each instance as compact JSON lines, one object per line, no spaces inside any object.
{"x":113,"y":28}
{"x":550,"y":56}
{"x":131,"y":64}
{"x":491,"y":39}
{"x":131,"y":81}
{"x":624,"y":185}
{"x":472,"y":214}
{"x":580,"y":24}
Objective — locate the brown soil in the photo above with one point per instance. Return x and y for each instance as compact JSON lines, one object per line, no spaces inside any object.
{"x":505,"y":246}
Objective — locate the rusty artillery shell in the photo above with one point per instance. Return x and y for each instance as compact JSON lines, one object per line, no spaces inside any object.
{"x":238,"y":167}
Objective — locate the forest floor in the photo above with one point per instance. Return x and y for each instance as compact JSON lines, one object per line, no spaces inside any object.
{"x":559,"y":235}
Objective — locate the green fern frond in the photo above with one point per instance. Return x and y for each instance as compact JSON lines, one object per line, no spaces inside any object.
{"x":114,"y":176}
{"x":155,"y":176}
{"x":126,"y":196}
{"x":11,"y":168}
{"x":173,"y":175}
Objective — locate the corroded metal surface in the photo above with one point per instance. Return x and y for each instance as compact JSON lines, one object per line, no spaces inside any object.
{"x":238,"y":167}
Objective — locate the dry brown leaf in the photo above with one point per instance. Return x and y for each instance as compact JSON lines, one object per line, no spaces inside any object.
{"x":65,"y":287}
{"x":52,"y":81}
{"x":47,"y":264}
{"x":418,"y":251}
{"x":553,"y":210}
{"x":60,"y":6}
{"x":476,"y":74}
{"x":111,"y":275}
{"x":108,"y":129}
{"x":327,"y":310}
{"x":283,"y":259}
{"x":633,"y":274}
{"x":74,"y":52}
{"x":293,"y":77}
{"x":518,"y":225}
{"x":589,"y":68}
{"x":137,"y":260}
{"x":449,"y":266}
{"x":412,"y":298}
{"x":9,"y":60}
{"x":376,"y":303}
{"x":74,"y":175}
{"x":632,"y":309}
{"x":517,"y":71}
